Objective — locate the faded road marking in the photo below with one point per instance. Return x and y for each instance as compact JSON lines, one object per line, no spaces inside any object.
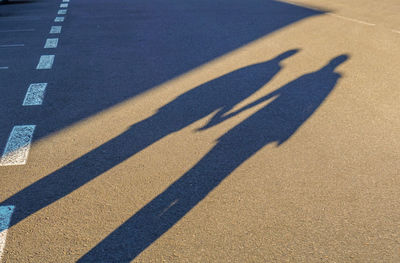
{"x":62,"y":12}
{"x":5,"y":219}
{"x":59,"y":19}
{"x":35,"y":94}
{"x":18,"y":145}
{"x":45,"y":62}
{"x":352,"y":19}
{"x":3,"y":67}
{"x":51,"y":43}
{"x":55,"y":30}
{"x":63,"y":5}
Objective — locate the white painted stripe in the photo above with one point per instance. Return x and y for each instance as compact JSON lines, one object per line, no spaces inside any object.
{"x":51,"y":43}
{"x":35,"y":94}
{"x":59,"y":19}
{"x":55,"y":30}
{"x":63,"y":5}
{"x":5,"y":219}
{"x":45,"y":62}
{"x":352,"y":19}
{"x":62,"y":12}
{"x":3,"y":67}
{"x":66,"y":1}
{"x":18,"y":145}
{"x":17,"y":30}
{"x":13,"y":45}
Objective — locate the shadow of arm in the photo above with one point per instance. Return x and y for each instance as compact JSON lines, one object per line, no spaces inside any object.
{"x":219,"y":117}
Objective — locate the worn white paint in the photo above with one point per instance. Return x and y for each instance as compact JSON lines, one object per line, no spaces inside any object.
{"x":55,"y":30}
{"x":51,"y":43}
{"x":352,"y":19}
{"x":18,"y":145}
{"x":45,"y":62}
{"x":35,"y":94}
{"x":3,"y":67}
{"x":5,"y":219}
{"x":59,"y":19}
{"x":66,"y":1}
{"x":62,"y":12}
{"x":63,"y":5}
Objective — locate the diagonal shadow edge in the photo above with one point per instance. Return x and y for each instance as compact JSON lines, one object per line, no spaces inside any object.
{"x":19,"y":216}
{"x":299,"y":14}
{"x":195,"y":44}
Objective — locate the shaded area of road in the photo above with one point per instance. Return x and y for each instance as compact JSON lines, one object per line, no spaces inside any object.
{"x":109,"y":57}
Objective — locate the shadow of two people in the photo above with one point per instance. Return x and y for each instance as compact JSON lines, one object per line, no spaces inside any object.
{"x":293,"y":104}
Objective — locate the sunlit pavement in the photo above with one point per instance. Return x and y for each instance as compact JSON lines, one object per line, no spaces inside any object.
{"x":200,"y":131}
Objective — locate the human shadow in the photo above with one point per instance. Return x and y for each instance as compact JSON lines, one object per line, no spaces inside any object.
{"x":294,"y":103}
{"x":220,"y":95}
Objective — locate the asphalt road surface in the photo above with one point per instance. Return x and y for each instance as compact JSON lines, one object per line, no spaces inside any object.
{"x":200,"y":131}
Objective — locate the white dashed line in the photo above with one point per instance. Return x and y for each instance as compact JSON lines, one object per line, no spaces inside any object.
{"x":18,"y":145}
{"x":55,"y":30}
{"x":45,"y":62}
{"x":66,"y":1}
{"x":5,"y":219}
{"x":352,"y":19}
{"x":63,"y":5}
{"x":17,"y":30}
{"x":51,"y":43}
{"x":62,"y":12}
{"x":35,"y":94}
{"x":59,"y":19}
{"x":13,"y":45}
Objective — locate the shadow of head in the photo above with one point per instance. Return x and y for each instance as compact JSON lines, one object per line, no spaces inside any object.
{"x":286,"y":54}
{"x":335,"y":62}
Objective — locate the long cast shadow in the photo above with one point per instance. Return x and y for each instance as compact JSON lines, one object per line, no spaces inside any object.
{"x":220,"y":95}
{"x":276,"y":122}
